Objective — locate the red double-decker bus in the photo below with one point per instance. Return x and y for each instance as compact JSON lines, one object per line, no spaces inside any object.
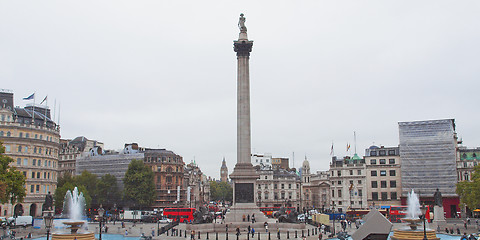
{"x":183,"y":214}
{"x":269,"y":211}
{"x":399,"y":212}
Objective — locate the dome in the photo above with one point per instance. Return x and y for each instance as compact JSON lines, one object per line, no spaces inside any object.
{"x":373,"y":147}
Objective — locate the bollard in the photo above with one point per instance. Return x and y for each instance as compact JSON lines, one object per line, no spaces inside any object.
{"x":167,"y":232}
{"x":309,"y":232}
{"x":185,"y":233}
{"x":316,"y":232}
{"x":258,"y":235}
{"x":216,"y":236}
{"x":226,"y":235}
{"x":296,"y":234}
{"x":248,"y":235}
{"x":180,"y":233}
{"x":237,"y":236}
{"x":207,"y":236}
{"x":198,"y":235}
{"x":303,"y":234}
{"x":278,"y":234}
{"x":288,"y":235}
{"x":269,"y":236}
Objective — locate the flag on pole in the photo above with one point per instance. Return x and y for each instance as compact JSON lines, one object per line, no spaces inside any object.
{"x":348,"y":147}
{"x":45,"y":99}
{"x":29,"y":97}
{"x":331,"y":151}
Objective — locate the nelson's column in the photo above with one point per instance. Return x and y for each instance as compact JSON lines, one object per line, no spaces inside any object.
{"x":244,"y":175}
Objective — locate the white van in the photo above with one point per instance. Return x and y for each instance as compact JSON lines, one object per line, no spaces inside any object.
{"x":21,"y":220}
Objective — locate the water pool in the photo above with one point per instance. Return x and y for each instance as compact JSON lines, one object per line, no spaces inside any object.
{"x":105,"y":237}
{"x":439,"y":235}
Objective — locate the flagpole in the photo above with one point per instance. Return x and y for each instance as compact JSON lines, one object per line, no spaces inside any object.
{"x":355,"y":140}
{"x":33,"y":112}
{"x":54,"y":109}
{"x":46,"y":104}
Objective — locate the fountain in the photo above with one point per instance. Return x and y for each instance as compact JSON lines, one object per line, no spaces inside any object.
{"x":413,"y":220}
{"x":74,"y":210}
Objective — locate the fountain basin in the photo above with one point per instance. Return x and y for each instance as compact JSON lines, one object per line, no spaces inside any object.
{"x":399,"y":234}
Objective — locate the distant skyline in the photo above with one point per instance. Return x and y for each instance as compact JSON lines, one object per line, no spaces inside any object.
{"x":163,"y":73}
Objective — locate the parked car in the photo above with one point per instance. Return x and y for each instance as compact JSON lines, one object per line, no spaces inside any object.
{"x":21,"y":221}
{"x":165,"y":220}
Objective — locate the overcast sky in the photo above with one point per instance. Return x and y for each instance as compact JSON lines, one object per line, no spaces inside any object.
{"x":163,"y":73}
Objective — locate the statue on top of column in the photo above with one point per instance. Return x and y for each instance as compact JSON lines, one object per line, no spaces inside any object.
{"x":241,"y":23}
{"x":437,"y":198}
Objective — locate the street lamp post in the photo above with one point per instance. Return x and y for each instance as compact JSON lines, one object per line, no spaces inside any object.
{"x":334,"y":218}
{"x":48,"y":219}
{"x":424,"y":212}
{"x":101,"y":211}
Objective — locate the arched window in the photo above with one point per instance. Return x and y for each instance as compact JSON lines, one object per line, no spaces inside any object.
{"x":8,"y":134}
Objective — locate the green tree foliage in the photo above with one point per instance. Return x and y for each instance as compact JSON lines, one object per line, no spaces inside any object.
{"x":220,"y":191}
{"x":139,"y":186}
{"x":469,"y":192}
{"x":12,"y":180}
{"x":89,"y":180}
{"x":107,"y":191}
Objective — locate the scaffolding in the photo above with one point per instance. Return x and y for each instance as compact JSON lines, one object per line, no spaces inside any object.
{"x":427,"y":152}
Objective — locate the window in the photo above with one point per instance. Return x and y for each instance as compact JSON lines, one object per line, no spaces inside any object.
{"x":283,"y":186}
{"x":289,"y":186}
{"x":1,"y":132}
{"x":333,"y":193}
{"x":20,"y":134}
{"x":266,"y":195}
{"x":374,"y":196}
{"x":391,"y":161}
{"x":359,"y":181}
{"x":360,"y":192}
{"x":383,"y":173}
{"x":339,"y":193}
{"x":373,"y":153}
{"x":339,"y":173}
{"x":382,"y":153}
{"x":373,"y":161}
{"x":392,"y":172}
{"x":38,"y":174}
{"x":39,"y":162}
{"x":391,"y":152}
{"x":38,"y":189}
{"x":275,"y":196}
{"x":266,"y":177}
{"x":33,"y":174}
{"x":351,"y":182}
{"x":275,"y":186}
{"x":19,"y":148}
{"x":259,"y":186}
{"x":383,"y":161}
{"x":384,"y":196}
{"x":7,"y":148}
{"x":374,"y":184}
{"x":25,"y":162}
{"x":393,"y":184}
{"x":339,"y":182}
{"x":27,"y":135}
{"x":283,"y":195}
{"x":32,"y":188}
{"x":19,"y":161}
{"x":351,"y":172}
{"x":373,"y":173}
{"x":45,"y":175}
{"x":393,"y":195}
{"x":383,"y":184}
{"x":359,"y":172}
{"x":34,"y":163}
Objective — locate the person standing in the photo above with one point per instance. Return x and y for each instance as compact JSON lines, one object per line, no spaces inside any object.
{"x":320,"y":236}
{"x":253,"y":232}
{"x":192,"y":235}
{"x":248,"y":229}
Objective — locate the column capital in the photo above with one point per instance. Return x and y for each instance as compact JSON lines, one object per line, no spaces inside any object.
{"x":242,"y":48}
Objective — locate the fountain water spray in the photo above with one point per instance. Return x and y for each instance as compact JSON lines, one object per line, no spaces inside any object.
{"x":413,"y":209}
{"x":74,"y":205}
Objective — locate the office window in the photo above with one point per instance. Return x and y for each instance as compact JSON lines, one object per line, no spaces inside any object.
{"x":359,"y":181}
{"x":19,"y":161}
{"x":373,"y":173}
{"x":382,"y":153}
{"x":360,"y":192}
{"x":373,"y":161}
{"x":392,"y":172}
{"x":391,"y":161}
{"x":374,"y":196}
{"x":383,"y":184}
{"x":25,"y":162}
{"x":393,"y":184}
{"x":351,"y":172}
{"x":384,"y":196}
{"x":333,"y":193}
{"x":339,"y":173}
{"x":383,"y":173}
{"x":383,"y":161}
{"x":359,"y":172}
{"x":374,"y":184}
{"x":19,"y":148}
{"x":393,"y":195}
{"x":373,"y":153}
{"x":339,"y":193}
{"x":33,"y":174}
{"x":391,"y":152}
{"x":283,"y":186}
{"x":34,"y":163}
{"x":339,"y":182}
{"x":38,"y":189}
{"x":289,"y":186}
{"x":32,"y":188}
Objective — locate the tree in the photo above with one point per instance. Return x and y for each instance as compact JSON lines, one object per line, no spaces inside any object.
{"x":107,"y":190}
{"x":469,"y":192}
{"x":221,"y":191}
{"x":12,"y":181}
{"x":139,"y":187}
{"x":87,"y":179}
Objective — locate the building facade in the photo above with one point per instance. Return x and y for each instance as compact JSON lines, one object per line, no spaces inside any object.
{"x":262,"y":160}
{"x":467,"y":159}
{"x":71,"y":149}
{"x":348,"y":183}
{"x":32,"y":139}
{"x":383,"y":176}
{"x":276,"y":188}
{"x":197,"y":185}
{"x":280,"y":163}
{"x":428,"y":155}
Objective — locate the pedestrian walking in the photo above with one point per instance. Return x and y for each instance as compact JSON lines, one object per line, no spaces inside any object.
{"x":248,"y":218}
{"x":248,"y":229}
{"x":320,"y":236}
{"x":126,"y":232}
{"x":253,"y":232}
{"x":243,"y":218}
{"x":238,"y":231}
{"x":192,"y":234}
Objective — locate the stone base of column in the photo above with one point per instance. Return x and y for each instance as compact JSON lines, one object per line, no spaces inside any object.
{"x":439,"y":216}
